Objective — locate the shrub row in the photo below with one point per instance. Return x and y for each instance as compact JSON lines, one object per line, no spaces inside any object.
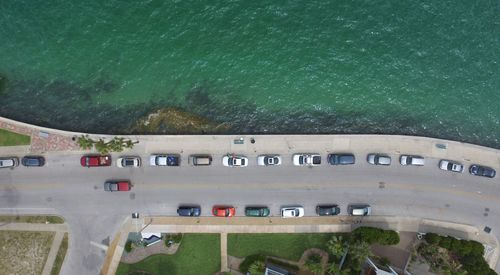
{"x":373,"y":235}
{"x":469,"y":253}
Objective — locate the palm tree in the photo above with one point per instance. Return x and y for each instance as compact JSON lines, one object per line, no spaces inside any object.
{"x":257,"y":268}
{"x":334,"y":269}
{"x":359,"y":251}
{"x":336,"y":246}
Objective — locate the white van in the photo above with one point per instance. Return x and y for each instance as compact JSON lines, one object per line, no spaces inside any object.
{"x":200,"y":160}
{"x":412,"y":160}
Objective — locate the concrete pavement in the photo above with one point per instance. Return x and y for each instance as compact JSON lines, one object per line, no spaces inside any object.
{"x":65,"y":188}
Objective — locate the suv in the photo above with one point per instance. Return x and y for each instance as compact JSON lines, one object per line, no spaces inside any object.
{"x":200,"y":160}
{"x":33,"y":161}
{"x":411,"y":160}
{"x":359,"y":210}
{"x":292,"y":212}
{"x":378,"y":159}
{"x":341,"y":159}
{"x":9,"y":162}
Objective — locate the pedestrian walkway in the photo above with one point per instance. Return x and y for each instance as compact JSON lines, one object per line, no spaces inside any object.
{"x":35,"y":227}
{"x":223,"y":253}
{"x":56,"y":243}
{"x":42,"y":140}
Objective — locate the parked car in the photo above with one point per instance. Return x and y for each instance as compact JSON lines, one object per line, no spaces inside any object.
{"x":95,"y":160}
{"x":128,"y":161}
{"x":165,"y":160}
{"x":234,"y":161}
{"x":117,"y":185}
{"x":378,"y":159}
{"x":189,"y":211}
{"x":33,"y":161}
{"x":449,"y":165}
{"x":483,"y":171}
{"x":327,"y":210}
{"x":292,"y":212}
{"x":9,"y":162}
{"x":304,"y":159}
{"x":359,"y":210}
{"x":411,"y":160}
{"x":223,"y":211}
{"x":200,"y":160}
{"x":268,"y":160}
{"x":257,"y":211}
{"x":341,"y":159}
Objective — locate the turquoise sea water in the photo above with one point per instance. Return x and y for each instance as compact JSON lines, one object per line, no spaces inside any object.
{"x":398,"y":67}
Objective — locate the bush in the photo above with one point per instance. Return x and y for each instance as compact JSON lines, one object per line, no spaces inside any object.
{"x":373,"y":235}
{"x":249,"y":260}
{"x":128,"y":246}
{"x":445,"y":242}
{"x":432,"y":238}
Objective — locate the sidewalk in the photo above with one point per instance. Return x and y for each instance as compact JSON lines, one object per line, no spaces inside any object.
{"x":56,"y":243}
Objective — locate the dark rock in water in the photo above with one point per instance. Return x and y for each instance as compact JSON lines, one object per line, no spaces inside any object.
{"x":177,"y":121}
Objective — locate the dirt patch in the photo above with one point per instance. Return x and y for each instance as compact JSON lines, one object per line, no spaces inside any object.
{"x":24,"y":252}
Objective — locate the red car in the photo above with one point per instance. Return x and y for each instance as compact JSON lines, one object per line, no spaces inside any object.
{"x":223,"y":211}
{"x":117,"y":185}
{"x":95,"y":160}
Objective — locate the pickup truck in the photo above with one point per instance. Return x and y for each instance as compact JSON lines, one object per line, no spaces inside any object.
{"x":165,"y":160}
{"x":95,"y":160}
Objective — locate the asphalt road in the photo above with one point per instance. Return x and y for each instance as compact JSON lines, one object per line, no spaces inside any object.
{"x":64,"y":187}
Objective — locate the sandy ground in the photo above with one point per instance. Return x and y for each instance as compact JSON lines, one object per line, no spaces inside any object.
{"x":24,"y":252}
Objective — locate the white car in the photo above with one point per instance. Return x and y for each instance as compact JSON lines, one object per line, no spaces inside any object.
{"x":234,"y":161}
{"x":9,"y":162}
{"x":128,"y":162}
{"x":378,"y":159}
{"x":306,"y":159}
{"x":292,"y":212}
{"x":412,"y":160}
{"x":449,"y":165}
{"x":268,"y":160}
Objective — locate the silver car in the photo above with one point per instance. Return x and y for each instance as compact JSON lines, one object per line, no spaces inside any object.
{"x":378,"y":159}
{"x":9,"y":162}
{"x":128,"y":162}
{"x":359,"y":210}
{"x":268,"y":160}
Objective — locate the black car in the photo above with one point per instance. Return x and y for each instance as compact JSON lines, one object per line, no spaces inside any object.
{"x":327,"y":210}
{"x":341,"y":159}
{"x":189,"y":211}
{"x":33,"y":161}
{"x":483,"y":171}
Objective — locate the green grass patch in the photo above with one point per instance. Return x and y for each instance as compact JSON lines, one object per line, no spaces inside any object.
{"x":282,"y":245}
{"x":61,"y":253}
{"x":8,"y":138}
{"x":198,"y":254}
{"x":31,"y":219}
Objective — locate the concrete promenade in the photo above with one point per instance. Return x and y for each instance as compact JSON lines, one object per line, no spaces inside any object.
{"x":95,"y":217}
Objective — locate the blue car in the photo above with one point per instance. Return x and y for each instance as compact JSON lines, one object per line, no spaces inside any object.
{"x":483,"y":171}
{"x":33,"y":161}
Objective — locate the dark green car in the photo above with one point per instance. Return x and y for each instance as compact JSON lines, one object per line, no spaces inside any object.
{"x":257,"y":211}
